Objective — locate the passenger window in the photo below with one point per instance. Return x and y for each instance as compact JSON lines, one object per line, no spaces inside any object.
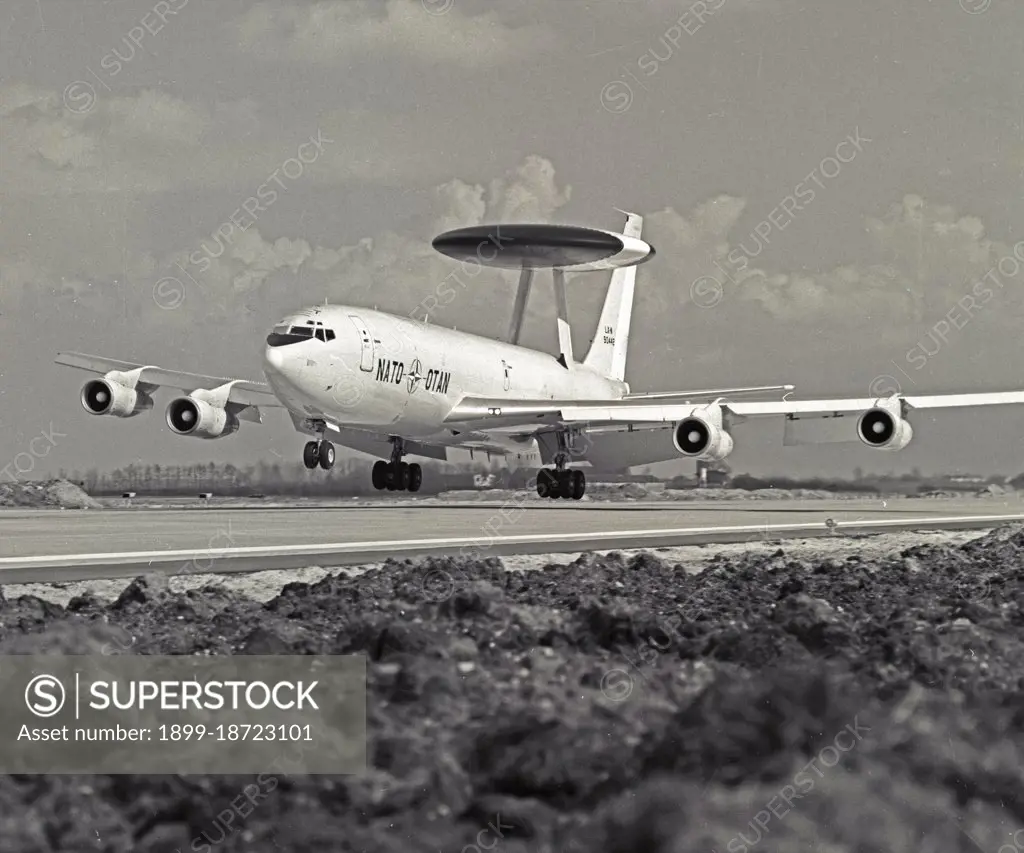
{"x":330,"y":334}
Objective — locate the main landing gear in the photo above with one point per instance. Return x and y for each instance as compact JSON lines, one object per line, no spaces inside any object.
{"x":561,"y":481}
{"x":396,"y":475}
{"x":568,"y":484}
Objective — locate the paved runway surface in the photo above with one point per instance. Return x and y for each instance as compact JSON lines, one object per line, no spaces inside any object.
{"x":38,"y":545}
{"x":36,"y":532}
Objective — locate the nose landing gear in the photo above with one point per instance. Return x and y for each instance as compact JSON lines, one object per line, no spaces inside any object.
{"x":319,"y":452}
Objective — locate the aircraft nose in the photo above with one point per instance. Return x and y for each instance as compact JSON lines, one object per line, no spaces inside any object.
{"x":274,"y":359}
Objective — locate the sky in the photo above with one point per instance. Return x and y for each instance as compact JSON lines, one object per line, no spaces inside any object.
{"x":832,"y":188}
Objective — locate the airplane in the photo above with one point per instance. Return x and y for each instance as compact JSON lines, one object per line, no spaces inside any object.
{"x":394,"y":386}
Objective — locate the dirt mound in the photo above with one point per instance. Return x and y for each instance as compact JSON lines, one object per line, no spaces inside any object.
{"x":46,"y":493}
{"x":606,"y":704}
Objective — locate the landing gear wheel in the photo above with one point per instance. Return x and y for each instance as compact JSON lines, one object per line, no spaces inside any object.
{"x":545,"y":483}
{"x":415,"y":477}
{"x":565,"y":484}
{"x":579,"y":485}
{"x":401,"y":476}
{"x":326,"y":455}
{"x":379,"y":475}
{"x":311,"y":454}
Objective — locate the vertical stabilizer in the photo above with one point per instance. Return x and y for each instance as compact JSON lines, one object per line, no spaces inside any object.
{"x":607,"y":353}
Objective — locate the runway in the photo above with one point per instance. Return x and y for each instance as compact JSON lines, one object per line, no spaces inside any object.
{"x":52,"y":545}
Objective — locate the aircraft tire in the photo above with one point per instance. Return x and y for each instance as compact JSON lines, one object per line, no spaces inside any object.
{"x":326,"y":455}
{"x":311,"y":454}
{"x":579,"y":485}
{"x":415,"y":477}
{"x":565,"y":486}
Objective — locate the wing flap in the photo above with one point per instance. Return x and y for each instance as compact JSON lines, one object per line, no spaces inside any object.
{"x":802,"y":407}
{"x":498,"y":411}
{"x":640,"y":396}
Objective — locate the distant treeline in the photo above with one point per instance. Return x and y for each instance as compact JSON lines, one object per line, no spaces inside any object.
{"x":347,"y":478}
{"x":351,"y":477}
{"x":907,"y":484}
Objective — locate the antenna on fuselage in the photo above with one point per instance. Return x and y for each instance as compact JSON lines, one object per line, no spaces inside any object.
{"x":515,"y":327}
{"x":560,"y":248}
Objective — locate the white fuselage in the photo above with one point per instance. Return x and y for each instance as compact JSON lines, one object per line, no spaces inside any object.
{"x":402,"y":376}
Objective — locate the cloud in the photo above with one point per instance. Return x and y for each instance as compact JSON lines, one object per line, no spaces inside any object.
{"x":528,"y":194}
{"x":921,"y":258}
{"x":396,"y":271}
{"x":150,"y":142}
{"x":926,"y":257}
{"x":244,"y":265}
{"x":38,"y":289}
{"x":688,"y":245}
{"x":462,"y":205}
{"x":846,"y":295}
{"x":331,"y":33}
{"x":403,"y":273}
{"x":143,"y":142}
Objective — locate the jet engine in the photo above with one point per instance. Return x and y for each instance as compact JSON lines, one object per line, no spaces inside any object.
{"x":199,"y":419}
{"x":883,"y":429}
{"x":104,"y":397}
{"x":699,"y":437}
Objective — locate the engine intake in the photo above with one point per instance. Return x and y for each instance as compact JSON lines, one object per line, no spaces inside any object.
{"x":882,"y":429}
{"x":699,"y":438}
{"x":103,"y":397}
{"x":197,"y":418}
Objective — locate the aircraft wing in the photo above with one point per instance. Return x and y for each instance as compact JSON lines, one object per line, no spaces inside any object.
{"x":935,"y":401}
{"x":242,"y":391}
{"x":634,"y":412}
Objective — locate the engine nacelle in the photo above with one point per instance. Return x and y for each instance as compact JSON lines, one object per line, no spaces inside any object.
{"x":104,"y":397}
{"x":199,"y":419}
{"x":699,"y":437}
{"x":884,"y":430}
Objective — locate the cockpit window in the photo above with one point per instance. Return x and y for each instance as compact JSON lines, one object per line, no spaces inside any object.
{"x":284,"y":335}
